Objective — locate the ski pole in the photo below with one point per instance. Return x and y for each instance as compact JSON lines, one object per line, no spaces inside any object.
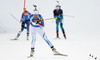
{"x":24,"y":4}
{"x":45,"y":19}
{"x":49,"y":18}
{"x":69,"y":16}
{"x":14,"y":17}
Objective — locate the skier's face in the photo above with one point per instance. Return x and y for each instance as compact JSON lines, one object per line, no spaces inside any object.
{"x":57,"y":9}
{"x":35,"y":16}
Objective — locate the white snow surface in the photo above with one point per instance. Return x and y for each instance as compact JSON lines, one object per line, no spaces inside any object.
{"x":83,"y":32}
{"x":77,"y":47}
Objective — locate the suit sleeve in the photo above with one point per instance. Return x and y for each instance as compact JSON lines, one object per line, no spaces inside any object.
{"x":54,"y":12}
{"x":61,"y":13}
{"x":42,"y":21}
{"x":21,"y":20}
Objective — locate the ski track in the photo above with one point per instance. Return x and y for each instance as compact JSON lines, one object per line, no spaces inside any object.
{"x":76,"y":49}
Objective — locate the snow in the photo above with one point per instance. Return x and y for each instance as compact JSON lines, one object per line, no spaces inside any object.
{"x":76,"y":47}
{"x":83,"y":32}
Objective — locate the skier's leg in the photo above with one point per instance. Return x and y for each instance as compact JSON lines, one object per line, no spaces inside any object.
{"x":19,"y":32}
{"x":32,"y":52}
{"x":33,"y":44}
{"x":22,"y":28}
{"x":28,"y":24}
{"x":57,"y":28}
{"x":42,"y":33}
{"x":62,"y":29}
{"x":33,"y":40}
{"x":33,"y":31}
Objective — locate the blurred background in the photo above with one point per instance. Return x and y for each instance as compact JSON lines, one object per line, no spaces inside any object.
{"x":86,"y":14}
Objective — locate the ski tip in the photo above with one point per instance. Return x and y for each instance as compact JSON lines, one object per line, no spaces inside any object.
{"x":9,"y":12}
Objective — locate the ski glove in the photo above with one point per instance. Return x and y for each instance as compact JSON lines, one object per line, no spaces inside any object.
{"x":37,"y":22}
{"x":23,"y":25}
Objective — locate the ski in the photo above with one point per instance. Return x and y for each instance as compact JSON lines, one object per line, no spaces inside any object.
{"x":13,"y":39}
{"x":29,"y":56}
{"x":59,"y":54}
{"x":57,"y":38}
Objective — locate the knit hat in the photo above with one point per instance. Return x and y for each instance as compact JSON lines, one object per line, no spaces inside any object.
{"x":35,"y":11}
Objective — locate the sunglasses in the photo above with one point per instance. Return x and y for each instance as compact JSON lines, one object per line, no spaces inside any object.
{"x":35,"y":14}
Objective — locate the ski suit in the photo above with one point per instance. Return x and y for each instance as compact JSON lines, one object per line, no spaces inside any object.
{"x":25,"y":20}
{"x":59,"y":19}
{"x":38,"y":28}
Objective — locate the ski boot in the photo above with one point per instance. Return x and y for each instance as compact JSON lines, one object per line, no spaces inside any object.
{"x":27,"y":37}
{"x":16,"y":37}
{"x":55,"y":51}
{"x":32,"y":52}
{"x":57,"y":35}
{"x":65,"y":36}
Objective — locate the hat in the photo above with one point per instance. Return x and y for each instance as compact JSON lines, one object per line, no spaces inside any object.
{"x":35,"y":11}
{"x":57,"y":5}
{"x":25,"y":12}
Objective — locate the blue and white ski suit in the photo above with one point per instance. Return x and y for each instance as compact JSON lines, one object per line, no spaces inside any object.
{"x":25,"y":20}
{"x":38,"y":28}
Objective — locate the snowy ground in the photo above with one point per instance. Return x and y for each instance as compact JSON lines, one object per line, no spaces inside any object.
{"x":77,"y":47}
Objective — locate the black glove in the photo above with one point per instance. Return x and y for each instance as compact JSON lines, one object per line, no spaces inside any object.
{"x":37,"y":22}
{"x":23,"y":26}
{"x":22,"y":22}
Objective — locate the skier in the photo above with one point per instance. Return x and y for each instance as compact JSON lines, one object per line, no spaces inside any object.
{"x":37,"y":24}
{"x":25,"y":19}
{"x":58,"y":15}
